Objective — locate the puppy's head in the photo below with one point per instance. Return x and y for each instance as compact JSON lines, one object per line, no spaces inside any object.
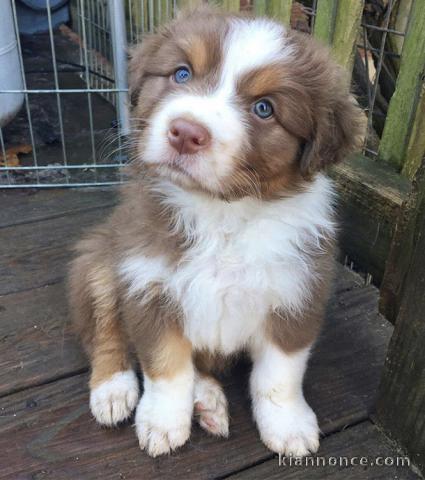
{"x":237,"y":106}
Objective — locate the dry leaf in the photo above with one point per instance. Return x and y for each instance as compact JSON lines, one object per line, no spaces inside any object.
{"x":12,"y":159}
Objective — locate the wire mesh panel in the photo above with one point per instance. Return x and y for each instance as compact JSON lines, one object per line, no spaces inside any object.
{"x":377,"y":63}
{"x":72,"y":127}
{"x":73,"y":124}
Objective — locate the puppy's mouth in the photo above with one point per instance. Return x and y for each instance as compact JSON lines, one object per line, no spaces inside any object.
{"x":181,"y":163}
{"x":179,"y":166}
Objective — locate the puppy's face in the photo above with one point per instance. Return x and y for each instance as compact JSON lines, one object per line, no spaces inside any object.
{"x":236,"y":106}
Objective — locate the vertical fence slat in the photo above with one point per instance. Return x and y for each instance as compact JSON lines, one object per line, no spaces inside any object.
{"x":324,"y":23}
{"x":347,"y":24}
{"x":280,"y":9}
{"x":416,"y":148}
{"x":337,"y":24}
{"x":188,"y":3}
{"x":260,"y":7}
{"x":231,"y":5}
{"x":401,"y":399}
{"x":403,"y":106}
{"x":162,"y":11}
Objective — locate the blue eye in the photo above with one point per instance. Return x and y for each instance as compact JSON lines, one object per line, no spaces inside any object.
{"x":263,"y":109}
{"x":182,"y":75}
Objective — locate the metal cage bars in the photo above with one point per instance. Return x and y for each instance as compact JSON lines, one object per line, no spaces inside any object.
{"x":105,"y":26}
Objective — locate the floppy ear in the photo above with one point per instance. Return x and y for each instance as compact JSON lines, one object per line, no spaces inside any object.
{"x":338,"y":131}
{"x":140,"y":55}
{"x":335,"y":124}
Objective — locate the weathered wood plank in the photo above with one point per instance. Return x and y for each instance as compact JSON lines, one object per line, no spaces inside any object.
{"x":52,"y":425}
{"x":402,"y":249}
{"x":188,"y":3}
{"x":363,"y":440}
{"x":34,"y":205}
{"x":416,"y":149}
{"x":231,"y":5}
{"x":324,"y":23}
{"x":57,"y":436}
{"x":404,"y":102}
{"x":401,"y":403}
{"x":260,"y":7}
{"x":371,"y":195}
{"x":337,"y":24}
{"x":36,"y":339}
{"x":280,"y":9}
{"x":36,"y":254}
{"x":347,"y":24}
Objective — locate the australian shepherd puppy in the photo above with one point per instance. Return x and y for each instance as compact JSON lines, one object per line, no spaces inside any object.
{"x":222,"y":241}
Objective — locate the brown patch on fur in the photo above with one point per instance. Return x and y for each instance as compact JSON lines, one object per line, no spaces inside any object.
{"x":198,"y":54}
{"x":261,"y":82}
{"x":320,"y":98}
{"x":293,"y":332}
{"x":210,"y":362}
{"x":153,"y":323}
{"x":315,"y":123}
{"x":139,"y":225}
{"x":96,"y":317}
{"x":170,"y":356}
{"x":193,"y":39}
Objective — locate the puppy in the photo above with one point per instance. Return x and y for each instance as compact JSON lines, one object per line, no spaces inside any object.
{"x":223,"y":238}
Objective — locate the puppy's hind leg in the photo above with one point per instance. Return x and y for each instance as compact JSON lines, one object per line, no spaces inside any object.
{"x":114,"y":389}
{"x":211,"y":405}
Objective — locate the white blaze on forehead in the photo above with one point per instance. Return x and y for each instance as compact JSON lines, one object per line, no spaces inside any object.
{"x":251,"y":44}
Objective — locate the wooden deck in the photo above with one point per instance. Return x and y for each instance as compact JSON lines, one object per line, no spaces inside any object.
{"x":46,"y":430}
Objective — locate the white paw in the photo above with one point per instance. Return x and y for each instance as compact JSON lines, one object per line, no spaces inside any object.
{"x":160,"y":426}
{"x":289,"y":427}
{"x":114,"y":400}
{"x":211,"y":407}
{"x":164,"y":413}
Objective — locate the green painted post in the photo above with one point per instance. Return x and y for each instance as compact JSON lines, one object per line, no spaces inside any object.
{"x":337,"y":24}
{"x":163,"y":11}
{"x":280,"y":9}
{"x":347,"y":24}
{"x":231,"y":5}
{"x":324,"y":23}
{"x":260,"y":7}
{"x":188,"y":3}
{"x":402,"y":115}
{"x":416,"y":148}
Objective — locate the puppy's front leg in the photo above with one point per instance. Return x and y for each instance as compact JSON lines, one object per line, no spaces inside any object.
{"x":164,"y":413}
{"x":286,"y":423}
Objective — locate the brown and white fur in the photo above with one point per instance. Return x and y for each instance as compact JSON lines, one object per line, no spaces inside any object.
{"x":223,"y":248}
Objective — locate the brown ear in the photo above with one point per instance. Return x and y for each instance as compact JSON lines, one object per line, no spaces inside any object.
{"x":334,"y":123}
{"x":339,"y":130}
{"x":140,"y":56}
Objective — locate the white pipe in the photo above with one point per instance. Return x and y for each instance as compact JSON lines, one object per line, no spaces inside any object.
{"x":10,"y":69}
{"x":119,"y":46}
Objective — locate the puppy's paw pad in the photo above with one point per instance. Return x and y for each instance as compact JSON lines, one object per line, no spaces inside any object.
{"x":113,"y":401}
{"x":211,"y":407}
{"x":157,"y":434}
{"x":288,"y":429}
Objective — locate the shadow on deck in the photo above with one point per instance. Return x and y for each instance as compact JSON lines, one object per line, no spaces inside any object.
{"x":46,"y":430}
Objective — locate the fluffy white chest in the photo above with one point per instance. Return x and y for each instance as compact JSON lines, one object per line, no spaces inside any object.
{"x":227,"y":287}
{"x":246,"y":260}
